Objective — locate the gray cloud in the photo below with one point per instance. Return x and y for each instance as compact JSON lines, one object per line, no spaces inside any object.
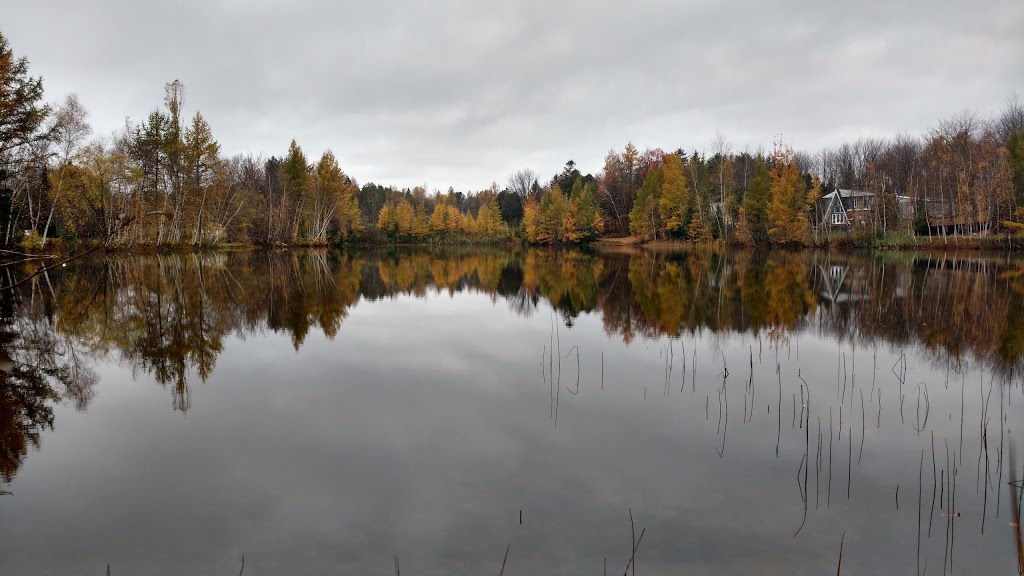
{"x":462,"y":93}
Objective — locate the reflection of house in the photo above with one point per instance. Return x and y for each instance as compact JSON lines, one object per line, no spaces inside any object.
{"x":845,"y":208}
{"x":839,"y":285}
{"x":835,"y":285}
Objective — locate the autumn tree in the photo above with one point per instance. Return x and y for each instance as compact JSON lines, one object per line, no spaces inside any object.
{"x":531,"y":221}
{"x":348,"y":214}
{"x":295,"y":172}
{"x":68,"y":133}
{"x":644,"y":219}
{"x":617,"y":186}
{"x":327,"y":184}
{"x":787,"y":211}
{"x":387,"y":226}
{"x":674,"y":203}
{"x":202,"y":160}
{"x":554,"y":208}
{"x":588,"y":215}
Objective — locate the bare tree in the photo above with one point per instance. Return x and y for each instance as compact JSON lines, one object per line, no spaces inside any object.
{"x":722,"y":149}
{"x":521,"y":183}
{"x":70,"y":129}
{"x":1011,"y":120}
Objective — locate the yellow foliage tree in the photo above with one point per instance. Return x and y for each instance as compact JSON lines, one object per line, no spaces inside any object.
{"x":405,"y":218}
{"x":347,"y":215}
{"x":531,"y":218}
{"x":553,"y":209}
{"x":675,"y":196}
{"x":386,"y":222}
{"x":787,"y":211}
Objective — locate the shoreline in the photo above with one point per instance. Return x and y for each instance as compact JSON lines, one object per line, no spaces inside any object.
{"x":989,"y":244}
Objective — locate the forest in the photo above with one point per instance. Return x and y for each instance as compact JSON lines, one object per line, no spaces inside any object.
{"x":164,"y":181}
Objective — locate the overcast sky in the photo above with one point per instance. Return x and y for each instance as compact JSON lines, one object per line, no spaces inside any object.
{"x":463,"y":92}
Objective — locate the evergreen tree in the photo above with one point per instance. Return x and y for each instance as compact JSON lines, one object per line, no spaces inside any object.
{"x":22,"y":111}
{"x":1015,"y":147}
{"x":755,"y":202}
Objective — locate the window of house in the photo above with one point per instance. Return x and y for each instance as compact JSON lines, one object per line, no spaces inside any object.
{"x":837,"y":217}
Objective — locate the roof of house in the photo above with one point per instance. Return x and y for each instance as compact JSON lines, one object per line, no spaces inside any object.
{"x":848,"y":194}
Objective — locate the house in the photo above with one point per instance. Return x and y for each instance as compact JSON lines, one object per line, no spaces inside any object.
{"x":845,"y":208}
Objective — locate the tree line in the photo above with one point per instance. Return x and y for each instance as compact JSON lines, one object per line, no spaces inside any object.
{"x":164,"y":180}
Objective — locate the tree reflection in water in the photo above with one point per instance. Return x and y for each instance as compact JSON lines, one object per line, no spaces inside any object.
{"x":168,"y":315}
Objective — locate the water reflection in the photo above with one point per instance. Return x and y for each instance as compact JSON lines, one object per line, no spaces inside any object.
{"x":169,"y":314}
{"x":899,"y":402}
{"x":39,"y":366}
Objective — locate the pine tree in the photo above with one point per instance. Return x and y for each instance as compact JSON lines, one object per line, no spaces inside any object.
{"x":22,"y":111}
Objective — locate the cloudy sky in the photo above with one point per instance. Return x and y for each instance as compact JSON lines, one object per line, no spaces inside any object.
{"x":462,"y":92}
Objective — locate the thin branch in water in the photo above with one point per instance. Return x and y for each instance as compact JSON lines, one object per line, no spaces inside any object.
{"x":577,"y":348}
{"x":632,"y":540}
{"x":920,"y":477}
{"x":842,"y":540}
{"x":1015,"y":510}
{"x":863,"y":427}
{"x":849,"y":461}
{"x":632,"y":557}
{"x":503,"y":561}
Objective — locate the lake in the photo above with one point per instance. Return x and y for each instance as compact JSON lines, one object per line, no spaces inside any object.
{"x":341,"y":412}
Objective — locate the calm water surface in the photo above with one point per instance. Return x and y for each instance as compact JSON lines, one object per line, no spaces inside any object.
{"x":325,"y":412}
